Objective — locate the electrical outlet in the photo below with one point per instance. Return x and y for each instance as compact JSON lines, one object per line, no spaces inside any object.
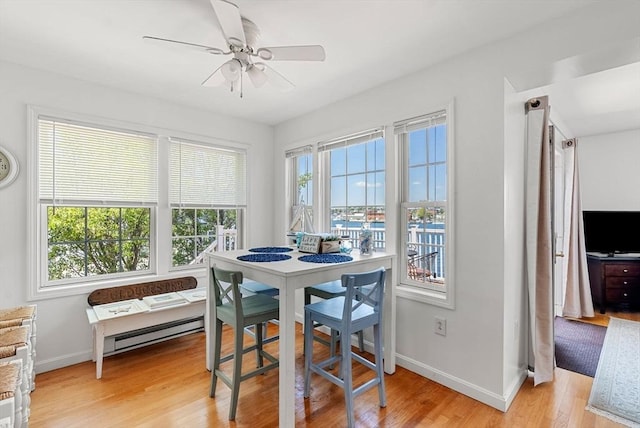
{"x":441,"y":326}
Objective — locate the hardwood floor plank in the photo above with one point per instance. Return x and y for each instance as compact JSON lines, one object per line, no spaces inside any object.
{"x":167,"y":385}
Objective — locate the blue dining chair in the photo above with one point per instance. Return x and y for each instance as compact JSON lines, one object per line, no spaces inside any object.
{"x":328,"y":290}
{"x":231,"y":308}
{"x":360,"y":308}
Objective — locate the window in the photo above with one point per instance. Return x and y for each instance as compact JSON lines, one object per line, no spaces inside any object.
{"x":91,"y":241}
{"x":356,"y":183}
{"x":97,"y":191}
{"x":103,"y":215}
{"x":300,"y":167}
{"x":207,"y":194}
{"x":426,"y":210}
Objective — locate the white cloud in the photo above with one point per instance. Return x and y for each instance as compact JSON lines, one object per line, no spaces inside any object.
{"x":364,"y":184}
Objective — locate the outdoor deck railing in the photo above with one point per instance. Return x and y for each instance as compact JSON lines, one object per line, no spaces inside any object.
{"x":423,"y":240}
{"x":226,"y":240}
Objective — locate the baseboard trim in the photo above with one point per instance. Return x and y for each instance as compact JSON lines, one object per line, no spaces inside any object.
{"x":42,"y":366}
{"x":489,"y":398}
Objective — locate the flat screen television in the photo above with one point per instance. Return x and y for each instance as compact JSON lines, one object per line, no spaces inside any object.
{"x":612,"y":232}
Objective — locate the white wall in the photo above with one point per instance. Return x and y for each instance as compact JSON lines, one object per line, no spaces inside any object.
{"x":609,"y":171}
{"x":64,"y":335}
{"x":478,"y":356}
{"x":515,"y":298}
{"x":483,"y":354}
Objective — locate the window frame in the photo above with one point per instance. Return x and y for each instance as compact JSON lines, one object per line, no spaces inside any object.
{"x":160,"y":221}
{"x":240,"y":215}
{"x":214,"y":200}
{"x":291,"y":166}
{"x":325,"y":149}
{"x":405,"y":287}
{"x":73,"y":282}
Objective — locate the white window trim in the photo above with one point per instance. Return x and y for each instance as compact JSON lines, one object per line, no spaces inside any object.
{"x":403,"y":288}
{"x":324,"y":149}
{"x":161,"y":260}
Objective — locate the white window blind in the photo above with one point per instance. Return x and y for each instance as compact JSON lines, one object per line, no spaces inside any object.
{"x":202,"y":176}
{"x":299,"y":152}
{"x":420,"y":122}
{"x":80,"y":163}
{"x":360,"y":137}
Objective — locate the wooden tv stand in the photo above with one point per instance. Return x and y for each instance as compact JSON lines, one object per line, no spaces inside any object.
{"x":615,"y":280}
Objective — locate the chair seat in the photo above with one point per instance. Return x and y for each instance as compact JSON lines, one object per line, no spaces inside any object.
{"x":329,"y":290}
{"x":253,"y":307}
{"x":326,"y":290}
{"x":329,"y":312}
{"x":258,"y":288}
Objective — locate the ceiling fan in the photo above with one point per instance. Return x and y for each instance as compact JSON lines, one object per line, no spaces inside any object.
{"x":241,"y":36}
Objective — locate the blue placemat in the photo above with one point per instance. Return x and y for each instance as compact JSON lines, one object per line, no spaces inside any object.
{"x":270,"y":249}
{"x":325,"y":258}
{"x":263,"y":257}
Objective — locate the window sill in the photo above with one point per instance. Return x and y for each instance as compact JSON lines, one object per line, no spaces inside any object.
{"x":435,"y":298}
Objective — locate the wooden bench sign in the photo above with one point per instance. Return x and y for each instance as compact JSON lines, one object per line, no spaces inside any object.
{"x":139,"y":291}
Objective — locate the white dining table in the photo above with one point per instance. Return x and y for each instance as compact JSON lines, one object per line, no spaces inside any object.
{"x":289,"y":276}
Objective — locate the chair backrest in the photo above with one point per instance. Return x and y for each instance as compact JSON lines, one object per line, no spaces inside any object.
{"x":225,"y":287}
{"x":365,"y":288}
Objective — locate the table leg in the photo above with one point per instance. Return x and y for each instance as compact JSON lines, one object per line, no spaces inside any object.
{"x":389,"y":327}
{"x":99,"y":346}
{"x":287,"y":390}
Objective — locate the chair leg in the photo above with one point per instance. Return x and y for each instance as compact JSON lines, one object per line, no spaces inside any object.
{"x":361,"y":340}
{"x":259,"y":337}
{"x":333,"y":343}
{"x":377,"y":331}
{"x":345,"y":368}
{"x":216,"y":358}
{"x":308,"y":346}
{"x":237,"y":371}
{"x":307,"y":300}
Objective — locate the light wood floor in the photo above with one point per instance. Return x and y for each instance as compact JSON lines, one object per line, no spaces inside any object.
{"x":167,"y":385}
{"x":603,"y":319}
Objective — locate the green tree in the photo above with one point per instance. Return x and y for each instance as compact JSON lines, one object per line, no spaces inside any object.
{"x":303,"y":180}
{"x":195,"y":229}
{"x":88,"y":241}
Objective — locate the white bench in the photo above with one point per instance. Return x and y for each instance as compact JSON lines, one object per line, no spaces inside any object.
{"x":123,"y":309}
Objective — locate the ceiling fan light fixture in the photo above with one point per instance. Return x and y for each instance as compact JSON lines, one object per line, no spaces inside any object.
{"x":231,"y":70}
{"x":257,"y":75}
{"x":265,"y":54}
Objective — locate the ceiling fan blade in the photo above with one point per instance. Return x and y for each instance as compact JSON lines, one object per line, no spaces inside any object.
{"x":216,"y":78}
{"x":169,"y":42}
{"x":230,"y":22}
{"x":275,"y":78}
{"x":292,"y":53}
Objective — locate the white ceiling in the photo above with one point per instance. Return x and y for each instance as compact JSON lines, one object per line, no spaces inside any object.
{"x":367,"y":42}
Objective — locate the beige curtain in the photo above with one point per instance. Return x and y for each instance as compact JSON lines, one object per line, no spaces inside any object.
{"x":539,"y":246}
{"x":577,"y":297}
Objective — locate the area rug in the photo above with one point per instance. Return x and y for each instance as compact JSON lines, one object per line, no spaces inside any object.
{"x":578,"y":345}
{"x":615,"y":393}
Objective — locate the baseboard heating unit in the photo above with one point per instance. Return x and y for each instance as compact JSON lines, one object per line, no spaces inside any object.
{"x":150,"y":335}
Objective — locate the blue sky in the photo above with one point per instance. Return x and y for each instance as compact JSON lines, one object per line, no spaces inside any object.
{"x":358,"y":175}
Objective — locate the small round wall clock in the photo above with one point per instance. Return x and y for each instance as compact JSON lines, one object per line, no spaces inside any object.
{"x":8,"y":167}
